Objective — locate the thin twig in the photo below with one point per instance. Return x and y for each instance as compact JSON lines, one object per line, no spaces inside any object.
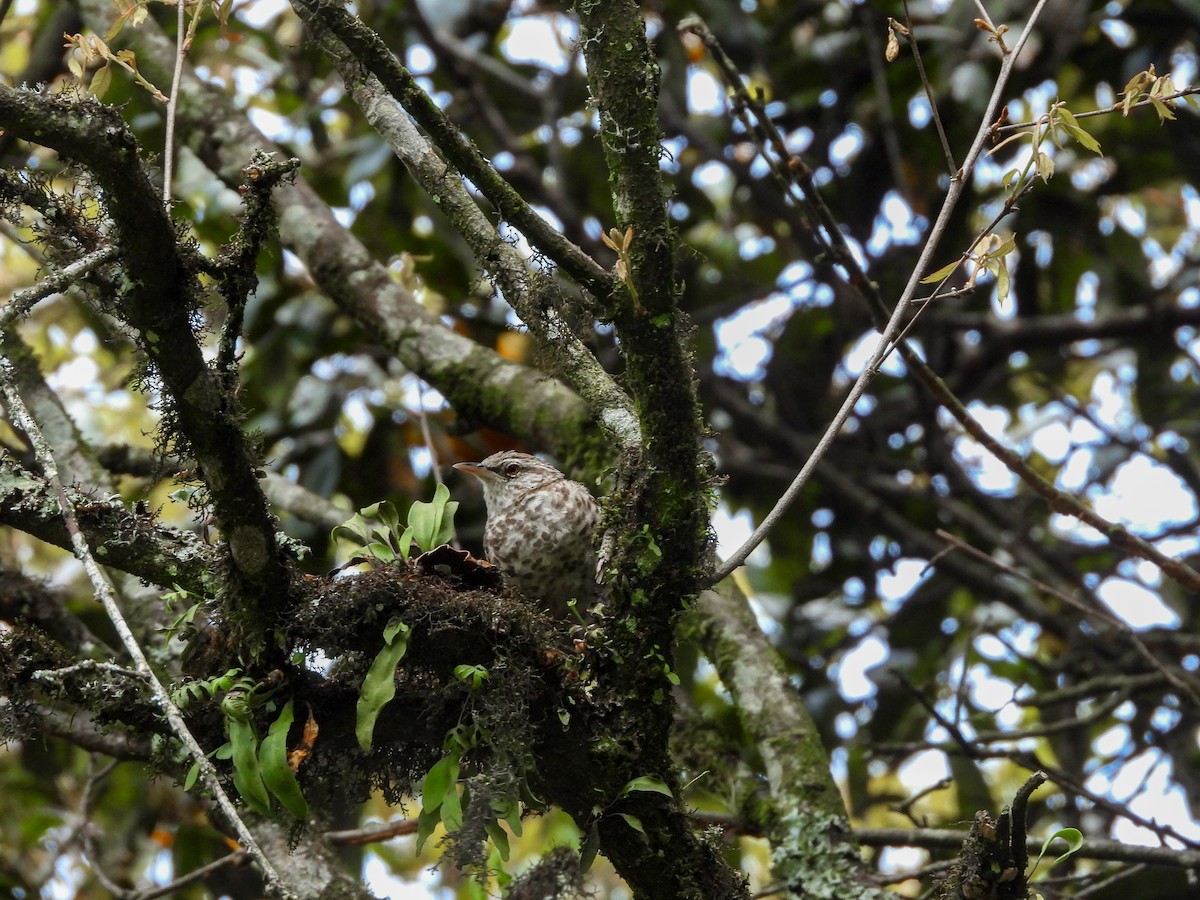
{"x":426,"y":434}
{"x":1105,"y":110}
{"x":911,"y":36}
{"x":372,"y":834}
{"x":172,"y":102}
{"x":23,"y":301}
{"x":107,"y":596}
{"x":236,"y":858}
{"x":1178,"y":683}
{"x":899,"y":314}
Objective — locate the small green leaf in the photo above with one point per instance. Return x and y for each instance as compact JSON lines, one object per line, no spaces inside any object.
{"x":1076,"y":131}
{"x":1002,"y":283}
{"x":1045,"y":166}
{"x":475,"y":676}
{"x":452,"y":816}
{"x":388,"y":516}
{"x":189,"y":780}
{"x":404,"y":542}
{"x":633,"y":822}
{"x":1006,"y":247}
{"x":247,"y":777}
{"x":438,"y":780}
{"x":1164,"y":111}
{"x":589,"y":848}
{"x":101,"y":81}
{"x":509,"y":811}
{"x":427,"y":821}
{"x":943,"y":272}
{"x":499,"y":837}
{"x":381,"y":551}
{"x":649,"y":784}
{"x":432,"y":523}
{"x":277,"y":774}
{"x":379,"y":687}
{"x":1074,"y":839}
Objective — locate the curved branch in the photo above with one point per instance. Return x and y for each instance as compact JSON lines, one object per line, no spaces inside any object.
{"x":481,"y":385}
{"x":807,"y":824}
{"x":107,"y":596}
{"x":158,"y":301}
{"x":533,"y":302}
{"x":371,"y":52}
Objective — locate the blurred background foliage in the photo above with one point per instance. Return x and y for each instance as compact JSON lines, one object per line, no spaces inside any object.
{"x":914,"y":671}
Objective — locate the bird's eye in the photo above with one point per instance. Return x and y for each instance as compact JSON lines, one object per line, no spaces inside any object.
{"x":512,"y":469}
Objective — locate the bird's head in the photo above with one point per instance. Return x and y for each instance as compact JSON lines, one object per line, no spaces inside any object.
{"x":509,"y":475}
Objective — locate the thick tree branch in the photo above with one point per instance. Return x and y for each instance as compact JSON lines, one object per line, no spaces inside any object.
{"x":130,"y":541}
{"x":533,"y":297}
{"x":107,"y":596}
{"x":371,"y":52}
{"x":624,"y":80}
{"x":160,"y":297}
{"x":481,"y":385}
{"x":806,"y":820}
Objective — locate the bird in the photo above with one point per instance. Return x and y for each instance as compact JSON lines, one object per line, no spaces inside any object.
{"x":539,"y":530}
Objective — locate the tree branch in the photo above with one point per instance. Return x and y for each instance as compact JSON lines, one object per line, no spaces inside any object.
{"x":535,"y":303}
{"x":806,"y":822}
{"x":161,"y":294}
{"x":371,"y":53}
{"x":482,"y":386}
{"x":107,"y":596}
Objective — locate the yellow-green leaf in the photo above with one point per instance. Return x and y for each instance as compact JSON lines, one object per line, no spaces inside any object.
{"x":379,"y":687}
{"x":247,"y":776}
{"x":499,"y":837}
{"x":943,"y":272}
{"x":277,"y":774}
{"x":649,"y":784}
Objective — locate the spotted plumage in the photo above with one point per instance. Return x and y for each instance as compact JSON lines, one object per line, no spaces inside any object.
{"x":539,"y":529}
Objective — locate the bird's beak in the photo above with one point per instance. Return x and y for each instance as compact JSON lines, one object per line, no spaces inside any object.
{"x":477,"y":470}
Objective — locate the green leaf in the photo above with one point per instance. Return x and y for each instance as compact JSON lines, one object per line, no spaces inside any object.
{"x":404,"y":542}
{"x":379,"y":687}
{"x":438,"y":781}
{"x":380,"y":550}
{"x":247,"y":777}
{"x":1074,"y":839}
{"x":649,"y":784}
{"x":475,"y":676}
{"x":432,"y":523}
{"x":1045,"y":166}
{"x":393,"y":629}
{"x":633,"y":822}
{"x":943,"y":272}
{"x":1006,"y":247}
{"x":1164,"y":111}
{"x":277,"y":774}
{"x":499,"y":837}
{"x":1076,"y":131}
{"x":388,"y":516}
{"x":589,"y":848}
{"x":1002,"y":283}
{"x":101,"y":81}
{"x":509,"y":811}
{"x":427,"y":821}
{"x":452,"y":816}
